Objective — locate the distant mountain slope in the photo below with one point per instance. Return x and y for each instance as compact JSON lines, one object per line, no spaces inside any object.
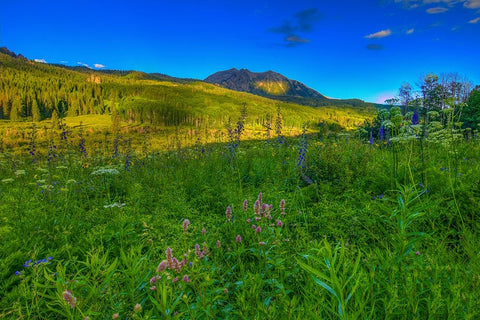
{"x":262,"y":83}
{"x":276,"y":86}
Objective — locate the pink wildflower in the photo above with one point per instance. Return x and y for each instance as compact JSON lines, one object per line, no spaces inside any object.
{"x":279,"y":223}
{"x":115,"y":316}
{"x":204,"y":231}
{"x":254,"y":226}
{"x":259,"y":229}
{"x":238,"y":238}
{"x":228,"y":213}
{"x":153,"y":288}
{"x":138,"y":308}
{"x":174,"y":279}
{"x":197,"y":250}
{"x":185,"y":278}
{"x":257,"y":207}
{"x":282,"y":205}
{"x":262,"y":243}
{"x":249,"y":220}
{"x":162,"y":266}
{"x":417,"y":253}
{"x":219,"y":244}
{"x":153,"y":280}
{"x":186,"y":223}
{"x":69,"y":298}
{"x":245,"y":205}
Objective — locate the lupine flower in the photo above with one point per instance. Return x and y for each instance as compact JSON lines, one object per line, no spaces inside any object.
{"x":382,"y":133}
{"x":228,"y":213}
{"x":186,"y":222}
{"x":238,"y":238}
{"x":415,"y":117}
{"x":245,"y":205}
{"x":162,"y":266}
{"x":259,"y":229}
{"x":219,"y":244}
{"x":371,"y":139}
{"x":185,"y":278}
{"x":69,"y":298}
{"x":138,"y":308}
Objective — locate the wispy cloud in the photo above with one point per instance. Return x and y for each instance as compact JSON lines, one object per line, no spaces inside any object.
{"x":472,"y":4}
{"x":374,"y":46}
{"x":83,"y":64}
{"x":40,"y":60}
{"x":436,"y":10}
{"x":476,"y":20}
{"x":99,"y":66}
{"x":410,"y":31}
{"x":379,"y":34}
{"x":301,"y":22}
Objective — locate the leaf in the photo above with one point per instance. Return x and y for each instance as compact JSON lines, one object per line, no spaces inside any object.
{"x":326,"y":286}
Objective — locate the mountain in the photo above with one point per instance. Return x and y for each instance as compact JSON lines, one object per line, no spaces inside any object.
{"x":275,"y":86}
{"x":262,"y":83}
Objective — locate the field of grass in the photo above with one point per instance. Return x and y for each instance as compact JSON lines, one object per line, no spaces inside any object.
{"x":306,"y":227}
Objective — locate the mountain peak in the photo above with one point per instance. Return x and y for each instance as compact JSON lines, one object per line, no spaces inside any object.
{"x":268,"y":83}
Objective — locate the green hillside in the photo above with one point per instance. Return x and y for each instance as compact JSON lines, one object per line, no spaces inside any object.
{"x":173,"y":111}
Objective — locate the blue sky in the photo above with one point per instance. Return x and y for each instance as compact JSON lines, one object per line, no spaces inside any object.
{"x":343,"y":49}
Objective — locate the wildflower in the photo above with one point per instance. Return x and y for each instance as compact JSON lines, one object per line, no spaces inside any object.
{"x":169,"y":255}
{"x":197,"y":250}
{"x":238,"y":238}
{"x":174,"y":279}
{"x":257,"y":207}
{"x":115,"y":316}
{"x":279,"y":223}
{"x":219,"y":244}
{"x":249,"y":220}
{"x":228,"y":213}
{"x":185,"y":279}
{"x":17,"y":273}
{"x":186,"y":222}
{"x":138,"y":308}
{"x":153,"y":288}
{"x":225,"y":290}
{"x":282,"y":205}
{"x":259,"y":229}
{"x":417,"y":253}
{"x":69,"y":298}
{"x":153,"y":280}
{"x":415,"y":117}
{"x":245,"y":205}
{"x":162,"y":266}
{"x":260,"y":197}
{"x":371,"y":139}
{"x":204,"y":231}
{"x":382,"y":133}
{"x":262,"y":243}
{"x":176,"y":265}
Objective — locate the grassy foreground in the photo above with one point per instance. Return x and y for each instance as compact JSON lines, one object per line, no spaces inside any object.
{"x":342,"y":229}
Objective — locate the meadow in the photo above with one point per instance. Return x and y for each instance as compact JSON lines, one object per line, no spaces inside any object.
{"x":306,"y":226}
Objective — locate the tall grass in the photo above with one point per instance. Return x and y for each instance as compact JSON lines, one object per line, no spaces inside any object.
{"x":101,"y":232}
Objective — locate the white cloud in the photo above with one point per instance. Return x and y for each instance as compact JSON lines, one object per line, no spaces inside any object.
{"x":472,"y":4}
{"x":98,"y":65}
{"x":436,"y":10}
{"x":83,"y":64}
{"x":410,"y":31}
{"x":476,"y":20}
{"x":40,"y":60}
{"x":379,"y":34}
